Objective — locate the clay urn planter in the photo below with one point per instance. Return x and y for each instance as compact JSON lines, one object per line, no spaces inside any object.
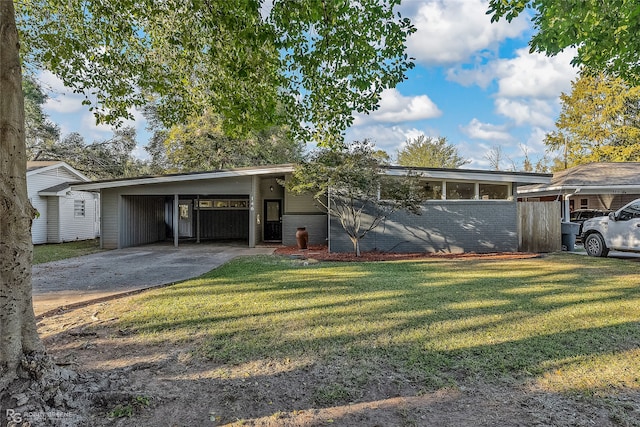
{"x":302,"y":237}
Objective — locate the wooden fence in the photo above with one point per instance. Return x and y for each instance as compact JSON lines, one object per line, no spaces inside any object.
{"x":539,"y":227}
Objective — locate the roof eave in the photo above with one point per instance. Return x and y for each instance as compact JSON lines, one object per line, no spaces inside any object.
{"x":182,"y":178}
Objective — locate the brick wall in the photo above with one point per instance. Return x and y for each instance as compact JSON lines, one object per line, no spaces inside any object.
{"x":444,"y":227}
{"x":316,"y":225}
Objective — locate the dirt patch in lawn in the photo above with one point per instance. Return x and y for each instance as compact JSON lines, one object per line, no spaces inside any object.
{"x":321,"y":253}
{"x":164,"y":384}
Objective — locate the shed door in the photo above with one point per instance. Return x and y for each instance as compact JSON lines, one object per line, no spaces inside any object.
{"x":185,"y":212}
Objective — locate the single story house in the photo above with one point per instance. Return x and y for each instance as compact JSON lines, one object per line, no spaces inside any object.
{"x":63,"y":214}
{"x":605,"y":186}
{"x":464,"y":210}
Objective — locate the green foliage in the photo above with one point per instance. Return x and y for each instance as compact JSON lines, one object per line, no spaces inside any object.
{"x":347,"y":181}
{"x":307,"y":64}
{"x":599,"y":122}
{"x":128,"y":410}
{"x":111,"y":158}
{"x":40,"y":132}
{"x":431,"y":153}
{"x":606,"y":33}
{"x":201,"y":144}
{"x":339,"y":56}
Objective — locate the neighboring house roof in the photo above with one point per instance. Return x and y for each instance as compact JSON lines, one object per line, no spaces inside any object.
{"x":58,"y":190}
{"x":36,"y":167}
{"x":453,"y":174}
{"x":593,"y":178}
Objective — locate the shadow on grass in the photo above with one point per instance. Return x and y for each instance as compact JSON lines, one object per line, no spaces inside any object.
{"x":427,"y":324}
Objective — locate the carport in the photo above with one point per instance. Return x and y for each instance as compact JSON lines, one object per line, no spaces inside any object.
{"x":238,"y":205}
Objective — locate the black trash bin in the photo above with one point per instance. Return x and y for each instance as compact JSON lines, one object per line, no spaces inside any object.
{"x":569,"y":232}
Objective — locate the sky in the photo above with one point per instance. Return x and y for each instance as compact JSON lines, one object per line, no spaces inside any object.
{"x":474,"y":83}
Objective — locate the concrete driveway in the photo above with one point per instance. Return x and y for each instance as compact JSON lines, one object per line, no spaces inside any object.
{"x":73,"y":281}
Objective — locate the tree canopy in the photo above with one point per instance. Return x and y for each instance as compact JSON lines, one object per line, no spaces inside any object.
{"x":599,"y":122}
{"x":201,"y":144}
{"x":430,"y":152}
{"x":605,"y":33}
{"x":304,"y":63}
{"x":40,"y":132}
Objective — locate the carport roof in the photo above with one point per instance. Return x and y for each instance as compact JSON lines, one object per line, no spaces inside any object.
{"x":434,"y":173}
{"x":593,"y":178}
{"x":191,"y":176}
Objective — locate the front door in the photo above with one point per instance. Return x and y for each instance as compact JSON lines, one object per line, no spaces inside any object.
{"x":185,"y":210}
{"x":273,"y":220}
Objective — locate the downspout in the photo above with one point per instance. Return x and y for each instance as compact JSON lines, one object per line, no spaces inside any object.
{"x":566,"y":217}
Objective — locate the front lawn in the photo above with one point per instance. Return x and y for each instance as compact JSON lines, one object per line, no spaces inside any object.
{"x":562,"y":323}
{"x":58,"y":251}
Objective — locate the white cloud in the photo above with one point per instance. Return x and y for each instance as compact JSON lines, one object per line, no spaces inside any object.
{"x":397,"y":108}
{"x":486,"y":131}
{"x":535,"y":142}
{"x":61,"y":99}
{"x":531,"y":75}
{"x":388,"y":138}
{"x":481,"y":75}
{"x":535,"y":75}
{"x":452,"y":31}
{"x":527,"y":111}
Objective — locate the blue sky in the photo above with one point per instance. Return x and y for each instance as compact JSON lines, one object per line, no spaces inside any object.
{"x":474,"y":83}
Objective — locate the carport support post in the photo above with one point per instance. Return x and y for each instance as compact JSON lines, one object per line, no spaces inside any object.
{"x":176,"y":213}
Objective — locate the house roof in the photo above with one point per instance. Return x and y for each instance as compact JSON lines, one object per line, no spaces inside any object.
{"x":58,"y":190}
{"x":180,"y":177}
{"x":36,"y":167}
{"x":595,"y":178}
{"x":452,"y":174}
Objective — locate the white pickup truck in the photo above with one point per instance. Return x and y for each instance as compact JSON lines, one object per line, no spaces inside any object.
{"x":620,"y":231}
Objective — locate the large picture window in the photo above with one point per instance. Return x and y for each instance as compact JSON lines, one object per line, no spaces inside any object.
{"x":461,"y":190}
{"x":494,"y":191}
{"x":431,"y":190}
{"x":458,"y":190}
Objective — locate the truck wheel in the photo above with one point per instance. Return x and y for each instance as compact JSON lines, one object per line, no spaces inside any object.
{"x":595,"y":246}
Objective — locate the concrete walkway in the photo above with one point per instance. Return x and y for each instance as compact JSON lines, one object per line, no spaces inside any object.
{"x":73,"y":281}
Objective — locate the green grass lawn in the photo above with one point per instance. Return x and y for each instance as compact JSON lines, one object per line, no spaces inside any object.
{"x":565,"y":323}
{"x":55,"y":252}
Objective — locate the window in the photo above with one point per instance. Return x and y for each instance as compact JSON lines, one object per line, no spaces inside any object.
{"x":493,"y":191}
{"x":431,"y":190}
{"x":184,"y":211}
{"x":206,"y":204}
{"x":630,"y":212}
{"x":461,"y":190}
{"x":78,"y":208}
{"x":584,"y":203}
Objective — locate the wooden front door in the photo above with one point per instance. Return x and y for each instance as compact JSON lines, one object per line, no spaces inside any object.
{"x":273,"y":220}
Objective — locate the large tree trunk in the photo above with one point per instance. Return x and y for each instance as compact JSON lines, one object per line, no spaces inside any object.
{"x":18,"y":334}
